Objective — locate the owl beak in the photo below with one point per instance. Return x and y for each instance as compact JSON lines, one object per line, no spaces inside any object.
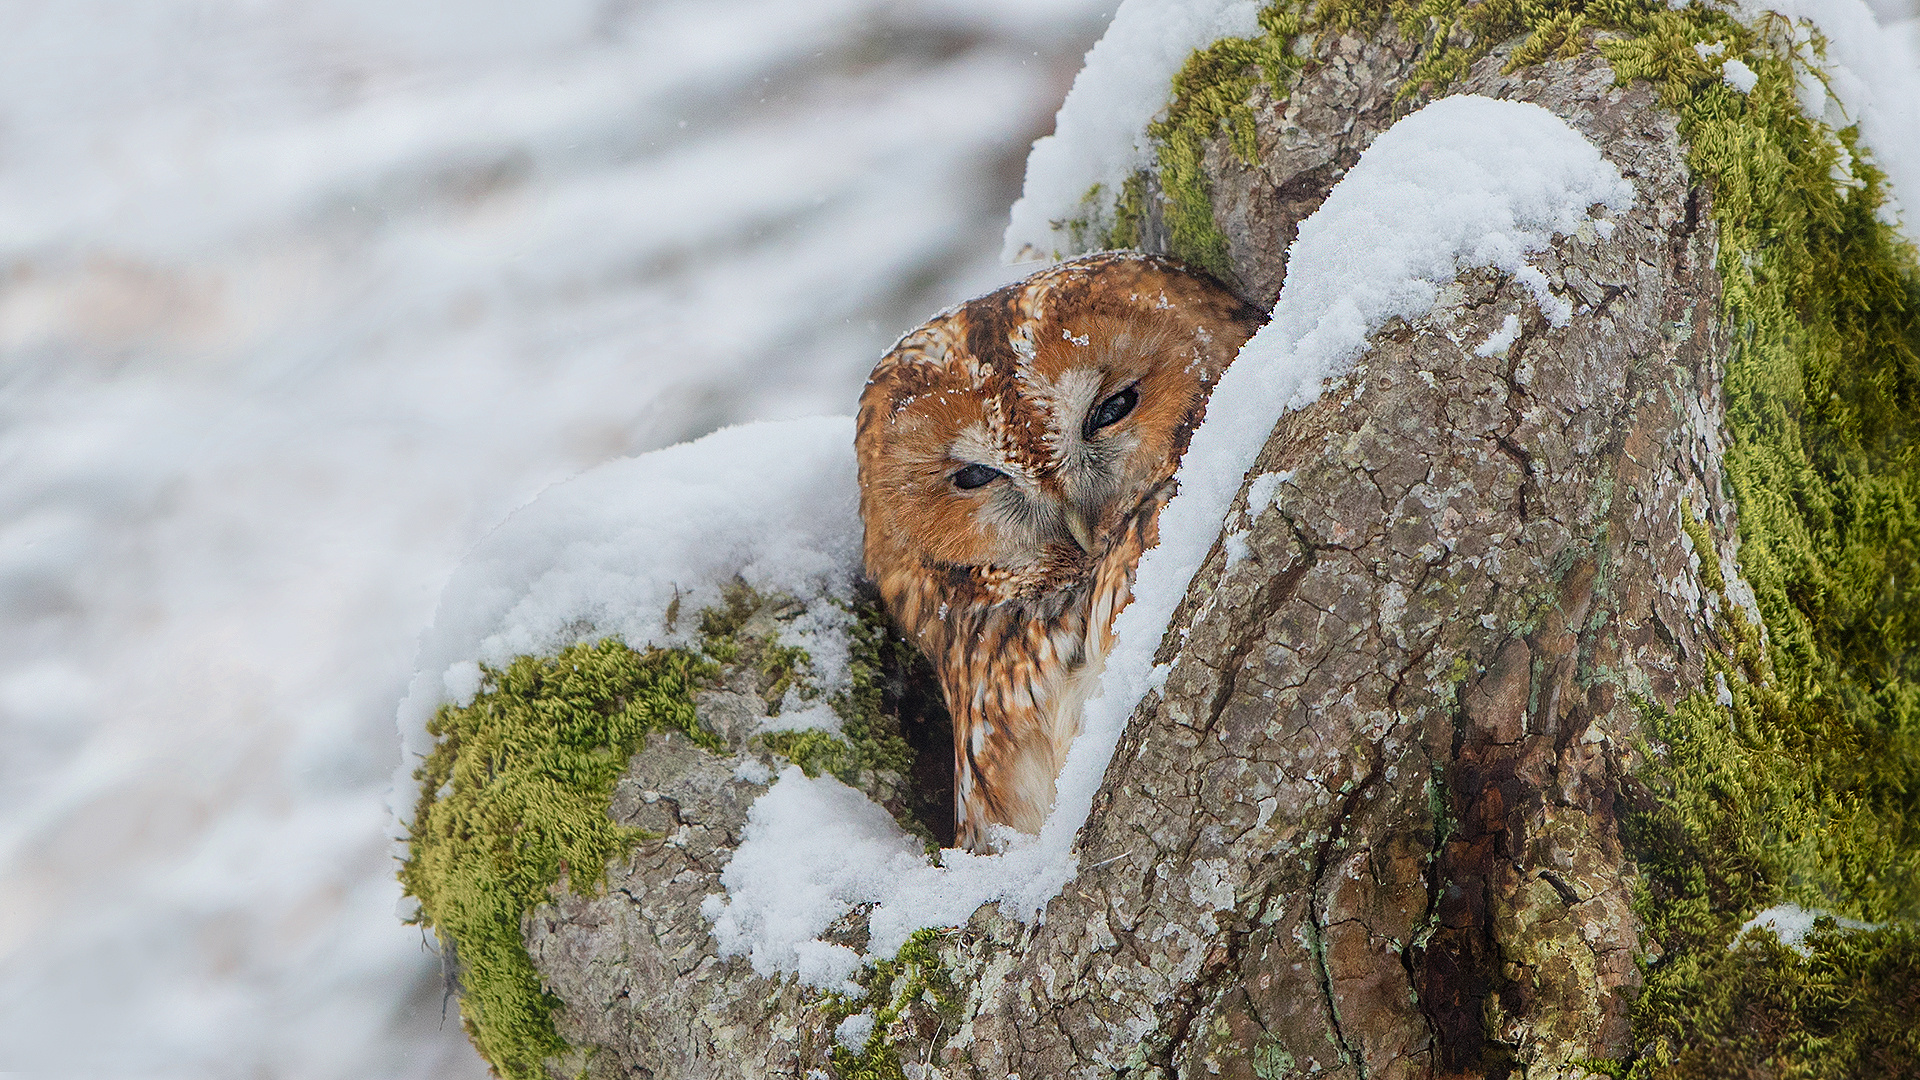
{"x":1077,"y":525}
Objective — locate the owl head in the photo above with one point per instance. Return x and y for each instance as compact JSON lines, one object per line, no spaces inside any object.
{"x":1012,"y":439}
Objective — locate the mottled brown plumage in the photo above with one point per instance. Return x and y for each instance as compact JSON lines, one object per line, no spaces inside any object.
{"x":1014,"y":455}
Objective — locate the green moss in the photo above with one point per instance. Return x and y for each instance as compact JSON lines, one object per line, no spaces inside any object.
{"x":743,"y":629}
{"x":1846,"y":1010}
{"x":514,"y":797}
{"x":513,"y":801}
{"x":1129,"y":214}
{"x":1211,"y":93}
{"x":872,"y":739}
{"x":1106,"y":220}
{"x":917,"y":979}
{"x":1807,"y":788}
{"x":1697,"y":531}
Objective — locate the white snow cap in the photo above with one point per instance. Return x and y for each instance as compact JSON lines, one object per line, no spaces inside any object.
{"x":1739,"y":76}
{"x":1791,"y":923}
{"x":610,"y":551}
{"x":1100,"y":133}
{"x":1465,"y":182}
{"x":813,"y":849}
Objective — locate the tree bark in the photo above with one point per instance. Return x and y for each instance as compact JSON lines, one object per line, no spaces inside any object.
{"x":1370,"y":826}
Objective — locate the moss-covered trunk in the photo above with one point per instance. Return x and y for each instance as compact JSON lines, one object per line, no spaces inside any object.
{"x":1522,"y":694}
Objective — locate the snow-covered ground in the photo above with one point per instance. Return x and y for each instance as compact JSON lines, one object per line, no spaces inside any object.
{"x":297,"y":301}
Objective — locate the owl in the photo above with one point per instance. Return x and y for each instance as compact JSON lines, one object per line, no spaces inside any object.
{"x":1014,"y":455}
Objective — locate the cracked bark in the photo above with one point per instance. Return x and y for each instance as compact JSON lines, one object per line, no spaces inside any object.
{"x":1369,"y":828}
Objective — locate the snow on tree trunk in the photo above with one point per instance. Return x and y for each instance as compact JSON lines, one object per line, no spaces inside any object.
{"x":1369,"y":827}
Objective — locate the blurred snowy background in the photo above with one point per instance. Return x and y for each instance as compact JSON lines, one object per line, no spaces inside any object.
{"x":297,"y":300}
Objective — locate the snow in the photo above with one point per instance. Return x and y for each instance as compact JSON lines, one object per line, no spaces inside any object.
{"x":1739,"y":76}
{"x":1100,"y":134}
{"x":813,"y":848}
{"x":1500,"y":340}
{"x":1791,"y":923}
{"x":461,"y":681}
{"x":607,"y":553}
{"x":753,"y":771}
{"x":1465,"y":182}
{"x":854,"y":1031}
{"x":795,"y":716}
{"x":1262,"y":489}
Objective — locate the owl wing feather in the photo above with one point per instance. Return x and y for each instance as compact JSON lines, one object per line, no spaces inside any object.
{"x":1019,"y":686}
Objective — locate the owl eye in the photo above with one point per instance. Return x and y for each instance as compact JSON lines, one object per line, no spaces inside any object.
{"x":1110,"y":412}
{"x":974,"y":476}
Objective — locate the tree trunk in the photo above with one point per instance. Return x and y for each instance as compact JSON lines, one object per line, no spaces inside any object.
{"x":1370,"y":826}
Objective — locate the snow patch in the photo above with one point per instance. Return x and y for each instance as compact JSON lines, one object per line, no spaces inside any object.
{"x":1501,"y":340}
{"x":812,"y":849}
{"x":816,"y":717}
{"x":1466,"y":182}
{"x":854,"y":1031}
{"x":1869,"y":75}
{"x":1238,"y":549}
{"x":612,"y":551}
{"x":462,"y":681}
{"x":1262,"y":491}
{"x":1791,"y":923}
{"x":1739,"y":76}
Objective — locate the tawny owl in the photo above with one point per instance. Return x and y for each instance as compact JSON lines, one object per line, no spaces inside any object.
{"x":1014,"y":455}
